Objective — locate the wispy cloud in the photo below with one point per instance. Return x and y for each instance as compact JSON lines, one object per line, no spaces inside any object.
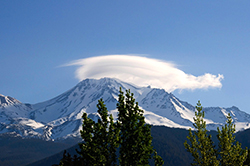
{"x":143,"y":71}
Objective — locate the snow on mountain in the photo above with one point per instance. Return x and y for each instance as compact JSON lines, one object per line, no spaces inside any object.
{"x":10,"y":110}
{"x":60,"y":117}
{"x":217,"y":115}
{"x":11,"y":107}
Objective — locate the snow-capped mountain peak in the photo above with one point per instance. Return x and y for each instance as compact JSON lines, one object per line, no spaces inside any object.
{"x":11,"y":107}
{"x":7,"y":100}
{"x":60,"y":117}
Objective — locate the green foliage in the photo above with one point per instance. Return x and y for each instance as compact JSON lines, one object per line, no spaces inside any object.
{"x":247,"y":162}
{"x":130,"y":134}
{"x":157,"y":159}
{"x":100,"y":139}
{"x":230,"y":153}
{"x":202,"y":147}
{"x":167,"y":141}
{"x":136,"y":139}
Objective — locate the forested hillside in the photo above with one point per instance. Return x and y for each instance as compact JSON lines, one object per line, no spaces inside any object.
{"x":167,"y":141}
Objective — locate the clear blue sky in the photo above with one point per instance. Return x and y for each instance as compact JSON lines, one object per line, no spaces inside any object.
{"x":36,"y":37}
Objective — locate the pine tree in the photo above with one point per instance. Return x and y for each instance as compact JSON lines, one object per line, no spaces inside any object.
{"x":113,"y":140}
{"x":66,"y":160}
{"x":230,"y":153}
{"x":202,"y":147}
{"x":130,"y":133}
{"x":247,"y":162}
{"x":100,"y":139}
{"x":135,"y":136}
{"x":157,"y":159}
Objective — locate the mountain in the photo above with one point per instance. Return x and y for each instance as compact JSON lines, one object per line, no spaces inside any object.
{"x":12,"y":108}
{"x":60,"y":118}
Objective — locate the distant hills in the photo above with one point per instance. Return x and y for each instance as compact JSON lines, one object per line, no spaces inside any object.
{"x":17,"y":151}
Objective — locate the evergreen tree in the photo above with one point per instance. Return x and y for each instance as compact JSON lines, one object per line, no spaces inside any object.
{"x":157,"y":159}
{"x":87,"y":148}
{"x":230,"y":154}
{"x":201,"y":148}
{"x":66,"y":160}
{"x":135,"y":136}
{"x":100,"y":139}
{"x":247,"y":162}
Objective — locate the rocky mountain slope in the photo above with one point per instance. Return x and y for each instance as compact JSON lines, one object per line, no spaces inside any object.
{"x":60,"y":118}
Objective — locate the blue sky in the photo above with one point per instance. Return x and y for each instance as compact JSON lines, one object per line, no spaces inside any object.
{"x":38,"y":37}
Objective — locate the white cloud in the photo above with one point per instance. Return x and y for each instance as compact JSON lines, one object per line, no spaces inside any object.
{"x":143,"y":71}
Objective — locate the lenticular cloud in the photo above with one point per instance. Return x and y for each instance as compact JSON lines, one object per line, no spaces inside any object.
{"x":143,"y":71}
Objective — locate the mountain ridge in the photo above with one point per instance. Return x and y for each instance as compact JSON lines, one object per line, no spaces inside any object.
{"x":60,"y":117}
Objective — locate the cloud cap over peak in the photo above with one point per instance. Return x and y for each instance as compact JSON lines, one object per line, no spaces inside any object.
{"x":143,"y":71}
